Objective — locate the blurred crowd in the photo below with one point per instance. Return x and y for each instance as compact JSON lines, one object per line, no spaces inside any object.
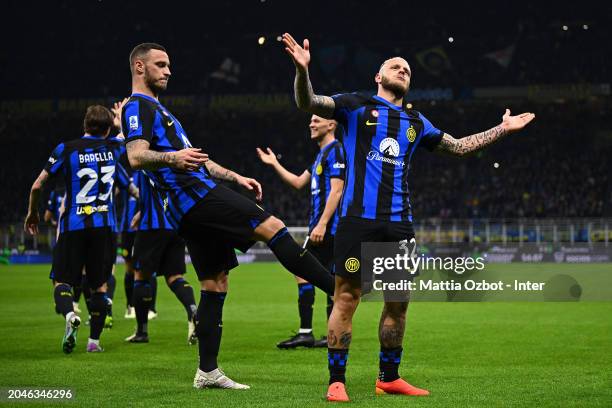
{"x":557,"y":167}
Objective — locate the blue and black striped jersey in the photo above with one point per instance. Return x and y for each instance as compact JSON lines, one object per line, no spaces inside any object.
{"x":145,"y":118}
{"x":54,"y":203}
{"x":379,"y":140}
{"x":329,"y":164}
{"x":151,"y":204}
{"x":127,"y":201}
{"x":88,"y":165}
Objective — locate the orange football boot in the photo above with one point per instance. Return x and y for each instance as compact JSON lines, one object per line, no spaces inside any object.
{"x":337,"y":393}
{"x":398,"y":386}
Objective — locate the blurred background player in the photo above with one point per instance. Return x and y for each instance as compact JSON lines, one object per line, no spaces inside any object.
{"x":380,"y":136}
{"x":86,"y":234}
{"x":158,"y":250}
{"x":326,"y":180}
{"x":128,"y":209}
{"x":213,"y":219}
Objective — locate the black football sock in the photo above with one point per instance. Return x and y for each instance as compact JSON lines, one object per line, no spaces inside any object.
{"x":306,"y":299}
{"x":63,"y":299}
{"x":109,"y":305}
{"x":77,"y":290}
{"x":184,"y":293}
{"x":143,"y":295}
{"x":209,"y":328}
{"x":86,"y":292}
{"x":300,"y":262}
{"x":330,"y":306}
{"x":98,"y":314}
{"x":111,"y":284}
{"x":128,"y":283}
{"x":336,"y":360}
{"x":389,"y":362}
{"x":153,"y":283}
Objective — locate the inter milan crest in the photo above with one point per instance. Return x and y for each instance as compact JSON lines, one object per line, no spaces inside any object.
{"x":411,"y":134}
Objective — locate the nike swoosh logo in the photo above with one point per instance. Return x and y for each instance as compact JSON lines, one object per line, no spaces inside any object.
{"x":170,"y":123}
{"x":303,"y":253}
{"x":368,"y":123}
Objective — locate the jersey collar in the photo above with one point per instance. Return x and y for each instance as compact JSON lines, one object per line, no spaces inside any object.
{"x":386,"y":102}
{"x":147,"y":97}
{"x":92,"y":137}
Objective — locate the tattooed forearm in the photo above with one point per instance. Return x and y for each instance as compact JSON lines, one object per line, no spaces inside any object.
{"x":142,"y":158}
{"x":306,"y":99}
{"x":472,"y":143}
{"x":219,"y":172}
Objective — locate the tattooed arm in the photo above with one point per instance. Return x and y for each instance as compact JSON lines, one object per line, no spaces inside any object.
{"x":219,"y":172}
{"x":143,"y":158}
{"x":305,"y":97}
{"x":478,"y":141}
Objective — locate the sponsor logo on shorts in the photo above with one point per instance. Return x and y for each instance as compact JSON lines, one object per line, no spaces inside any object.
{"x":352,"y":265}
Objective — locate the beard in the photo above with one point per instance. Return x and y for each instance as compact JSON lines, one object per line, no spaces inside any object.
{"x":397,"y":88}
{"x":155,"y":85}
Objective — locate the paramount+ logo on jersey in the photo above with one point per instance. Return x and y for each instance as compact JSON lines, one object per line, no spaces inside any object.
{"x":389,"y":149}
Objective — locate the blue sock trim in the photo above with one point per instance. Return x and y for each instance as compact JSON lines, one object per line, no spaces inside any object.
{"x":145,"y":283}
{"x":278,"y":235}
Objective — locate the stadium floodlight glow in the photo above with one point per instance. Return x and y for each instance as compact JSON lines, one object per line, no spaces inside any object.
{"x":261,"y":40}
{"x":565,"y":28}
{"x":496,"y":165}
{"x":279,"y":38}
{"x":585,"y":26}
{"x":451,"y":39}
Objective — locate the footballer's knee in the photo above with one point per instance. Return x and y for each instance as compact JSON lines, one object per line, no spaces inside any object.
{"x":217,"y":283}
{"x":346,"y":295}
{"x":267,"y":229}
{"x":170,"y":279}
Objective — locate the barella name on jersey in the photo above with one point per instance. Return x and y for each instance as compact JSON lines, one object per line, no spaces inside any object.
{"x":95,"y":157}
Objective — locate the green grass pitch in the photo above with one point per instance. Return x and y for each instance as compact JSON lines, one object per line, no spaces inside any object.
{"x":466,"y":354}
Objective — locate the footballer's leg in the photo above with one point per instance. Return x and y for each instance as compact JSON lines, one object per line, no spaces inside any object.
{"x":62,"y":294}
{"x":340,"y":334}
{"x":306,"y":298}
{"x":173,"y":268}
{"x":110,"y":284}
{"x":148,"y":251}
{"x":67,"y":264}
{"x":391,"y":334}
{"x":98,"y":269}
{"x":212,"y":260}
{"x":294,"y":258}
{"x":184,"y":293}
{"x":142,"y":297}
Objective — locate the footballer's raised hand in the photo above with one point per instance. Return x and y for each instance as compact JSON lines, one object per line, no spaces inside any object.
{"x":512,"y":124}
{"x":299,"y":54}
{"x":268,"y":157}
